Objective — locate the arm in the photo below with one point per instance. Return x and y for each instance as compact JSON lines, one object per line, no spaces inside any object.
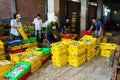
{"x":90,"y":28}
{"x":100,"y":31}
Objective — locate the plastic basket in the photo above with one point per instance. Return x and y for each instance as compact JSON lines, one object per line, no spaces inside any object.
{"x":14,"y":43}
{"x":18,"y":71}
{"x":15,"y":47}
{"x":26,"y":41}
{"x":27,"y":45}
{"x":21,"y":31}
{"x":45,"y":51}
{"x":18,"y":57}
{"x":90,"y":57}
{"x":77,"y":63}
{"x":34,"y":44}
{"x":33,"y":39}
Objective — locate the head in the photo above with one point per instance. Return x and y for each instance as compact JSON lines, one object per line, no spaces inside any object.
{"x":94,"y":20}
{"x":18,"y":17}
{"x":67,"y":20}
{"x":38,"y":16}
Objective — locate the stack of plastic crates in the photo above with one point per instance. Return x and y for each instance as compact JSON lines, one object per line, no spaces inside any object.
{"x":16,"y":58}
{"x":77,"y":54}
{"x":59,"y":54}
{"x":107,"y":49}
{"x":4,"y":67}
{"x":91,"y":46}
{"x":35,"y":60}
{"x":46,"y":54}
{"x":2,"y":52}
{"x":18,"y":71}
{"x":15,"y":46}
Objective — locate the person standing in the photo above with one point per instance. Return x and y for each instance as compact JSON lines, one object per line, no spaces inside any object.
{"x":66,"y":26}
{"x":98,"y":33}
{"x":38,"y":26}
{"x":15,"y":23}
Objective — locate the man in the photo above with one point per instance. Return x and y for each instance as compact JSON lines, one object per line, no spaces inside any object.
{"x":38,"y":25}
{"x":52,"y":31}
{"x":66,"y":26}
{"x":15,"y":23}
{"x":98,"y":33}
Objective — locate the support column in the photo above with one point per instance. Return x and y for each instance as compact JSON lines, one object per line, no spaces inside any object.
{"x":99,"y":9}
{"x":13,"y":6}
{"x":84,"y":14}
{"x":53,"y":9}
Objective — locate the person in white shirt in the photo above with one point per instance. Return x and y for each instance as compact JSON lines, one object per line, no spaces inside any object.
{"x":38,"y":25}
{"x":15,"y":23}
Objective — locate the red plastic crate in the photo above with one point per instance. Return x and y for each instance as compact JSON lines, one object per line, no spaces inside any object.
{"x":68,"y":36}
{"x":16,"y":51}
{"x":86,"y":32}
{"x":45,"y":59}
{"x":25,"y":76}
{"x":5,"y":79}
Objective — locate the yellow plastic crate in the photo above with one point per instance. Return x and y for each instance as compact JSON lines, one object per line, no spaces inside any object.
{"x":107,"y":53}
{"x":26,"y":45}
{"x":58,"y":51}
{"x":59,"y":56}
{"x":74,"y":58}
{"x":77,"y":63}
{"x":76,"y":52}
{"x":91,"y":52}
{"x":21,"y":31}
{"x":36,"y":66}
{"x":68,"y":42}
{"x":60,"y":63}
{"x":18,"y":57}
{"x":97,"y":52}
{"x":59,"y":45}
{"x":33,"y":58}
{"x":98,"y":41}
{"x":34,"y":44}
{"x":104,"y":40}
{"x":77,"y":46}
{"x":2,"y":57}
{"x":108,"y":46}
{"x":90,"y":57}
{"x":5,"y":64}
{"x":1,"y":43}
{"x":31,"y":50}
{"x":15,"y":47}
{"x":108,"y":34}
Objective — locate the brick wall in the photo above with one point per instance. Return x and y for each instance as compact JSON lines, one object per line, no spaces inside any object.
{"x":29,"y":8}
{"x":5,"y":10}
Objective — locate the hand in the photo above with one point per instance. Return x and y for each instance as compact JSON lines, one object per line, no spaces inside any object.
{"x":55,"y":36}
{"x":88,"y":30}
{"x":99,"y":34}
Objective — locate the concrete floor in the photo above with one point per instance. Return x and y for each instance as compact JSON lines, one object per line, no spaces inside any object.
{"x":96,"y":69}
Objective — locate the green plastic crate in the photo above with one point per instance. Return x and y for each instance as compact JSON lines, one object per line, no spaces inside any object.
{"x":33,"y":39}
{"x":31,"y":31}
{"x":1,"y":30}
{"x":45,"y":51}
{"x":18,"y":71}
{"x":26,"y":40}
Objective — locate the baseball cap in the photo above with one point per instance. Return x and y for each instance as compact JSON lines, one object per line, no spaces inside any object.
{"x":18,"y":15}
